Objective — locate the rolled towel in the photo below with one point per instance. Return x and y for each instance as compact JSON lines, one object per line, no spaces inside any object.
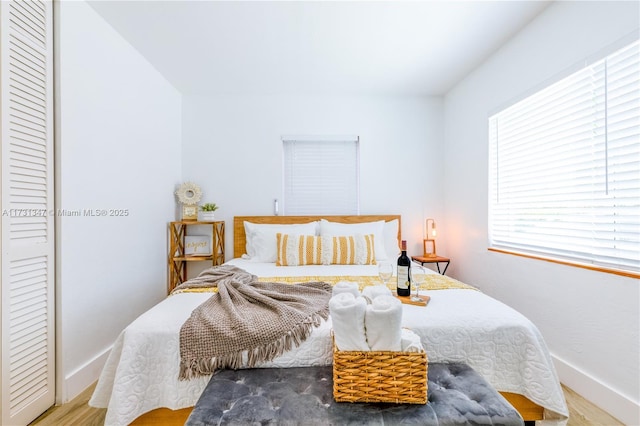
{"x":374,"y":291}
{"x":410,"y":341}
{"x":383,"y":320}
{"x":346,"y":287}
{"x":347,"y":317}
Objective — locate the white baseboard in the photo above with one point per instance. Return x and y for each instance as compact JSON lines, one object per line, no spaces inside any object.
{"x":610,"y":400}
{"x":83,"y":377}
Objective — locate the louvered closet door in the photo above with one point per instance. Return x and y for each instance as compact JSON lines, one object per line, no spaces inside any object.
{"x":27,"y":237}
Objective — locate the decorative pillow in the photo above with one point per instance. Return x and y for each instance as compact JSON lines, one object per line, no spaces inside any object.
{"x":376,"y":228}
{"x":296,"y":250}
{"x":349,"y":250}
{"x":261,"y":238}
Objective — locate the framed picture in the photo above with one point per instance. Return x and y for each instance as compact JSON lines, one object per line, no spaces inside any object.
{"x":197,"y":245}
{"x":429,"y":248}
{"x":189,"y":212}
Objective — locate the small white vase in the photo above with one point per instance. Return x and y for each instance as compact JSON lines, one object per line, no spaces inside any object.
{"x":206,"y":216}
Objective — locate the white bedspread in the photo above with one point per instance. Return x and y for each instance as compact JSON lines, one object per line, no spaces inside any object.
{"x":141,"y":373}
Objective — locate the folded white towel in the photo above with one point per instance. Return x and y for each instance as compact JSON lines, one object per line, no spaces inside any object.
{"x":346,"y":287}
{"x":383,"y":320}
{"x":410,"y":341}
{"x":347,"y":317}
{"x":374,"y":291}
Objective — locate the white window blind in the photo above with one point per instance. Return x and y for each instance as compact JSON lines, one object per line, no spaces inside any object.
{"x":564,"y":169}
{"x":321,"y":176}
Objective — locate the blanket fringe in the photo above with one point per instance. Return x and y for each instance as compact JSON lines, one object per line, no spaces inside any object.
{"x":193,"y":368}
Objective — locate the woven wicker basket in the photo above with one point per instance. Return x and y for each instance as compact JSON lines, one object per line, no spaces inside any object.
{"x":397,"y":377}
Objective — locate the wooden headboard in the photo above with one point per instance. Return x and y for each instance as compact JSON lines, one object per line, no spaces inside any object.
{"x":240,"y":239}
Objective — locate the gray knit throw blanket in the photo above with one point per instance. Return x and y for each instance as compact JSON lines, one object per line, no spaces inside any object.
{"x":247,"y":317}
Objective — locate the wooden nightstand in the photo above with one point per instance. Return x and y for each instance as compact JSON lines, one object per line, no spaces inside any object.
{"x":437,"y":260}
{"x":178,"y":260}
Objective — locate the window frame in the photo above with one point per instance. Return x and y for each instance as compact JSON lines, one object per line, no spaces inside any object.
{"x":523,"y":249}
{"x":318,"y":140}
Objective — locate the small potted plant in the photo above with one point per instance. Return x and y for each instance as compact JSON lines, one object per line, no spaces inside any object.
{"x":207,"y":212}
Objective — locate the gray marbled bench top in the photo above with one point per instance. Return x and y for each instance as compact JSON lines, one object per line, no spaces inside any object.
{"x":304,"y":396}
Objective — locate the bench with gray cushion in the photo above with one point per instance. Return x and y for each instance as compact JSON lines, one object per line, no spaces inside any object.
{"x":304,"y":396}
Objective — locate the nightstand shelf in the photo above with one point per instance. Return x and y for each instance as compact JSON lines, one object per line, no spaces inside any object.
{"x":193,"y":258}
{"x":178,"y":260}
{"x":435,"y":259}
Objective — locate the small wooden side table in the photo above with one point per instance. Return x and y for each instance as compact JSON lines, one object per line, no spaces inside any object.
{"x":178,"y":260}
{"x":436,"y":259}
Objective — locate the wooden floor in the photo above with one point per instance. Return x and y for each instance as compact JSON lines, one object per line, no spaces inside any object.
{"x":582,"y":412}
{"x":77,"y":412}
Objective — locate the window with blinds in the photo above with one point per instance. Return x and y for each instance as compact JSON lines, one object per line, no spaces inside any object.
{"x":321,"y":175}
{"x":564,"y":167}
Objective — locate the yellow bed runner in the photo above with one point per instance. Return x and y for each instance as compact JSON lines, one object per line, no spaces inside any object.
{"x":431,"y":282}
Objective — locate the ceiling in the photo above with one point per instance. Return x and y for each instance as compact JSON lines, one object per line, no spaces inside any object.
{"x":303,"y":47}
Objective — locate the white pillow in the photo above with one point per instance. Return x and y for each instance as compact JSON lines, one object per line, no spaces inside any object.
{"x":261,"y":238}
{"x":335,"y":229}
{"x":391,"y":244}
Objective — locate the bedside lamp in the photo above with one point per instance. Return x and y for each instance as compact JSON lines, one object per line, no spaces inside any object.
{"x":429,"y":243}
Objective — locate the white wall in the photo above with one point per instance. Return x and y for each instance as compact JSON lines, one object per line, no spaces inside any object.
{"x":232,"y":148}
{"x":590,"y":320}
{"x":118,"y":147}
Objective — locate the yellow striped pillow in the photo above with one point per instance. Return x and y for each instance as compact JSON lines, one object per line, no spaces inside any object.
{"x":294,"y":250}
{"x":348,"y":250}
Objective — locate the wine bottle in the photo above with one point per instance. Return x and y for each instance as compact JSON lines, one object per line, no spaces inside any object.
{"x":403,"y":287}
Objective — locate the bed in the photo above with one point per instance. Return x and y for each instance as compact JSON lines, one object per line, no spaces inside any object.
{"x":140,"y":378}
